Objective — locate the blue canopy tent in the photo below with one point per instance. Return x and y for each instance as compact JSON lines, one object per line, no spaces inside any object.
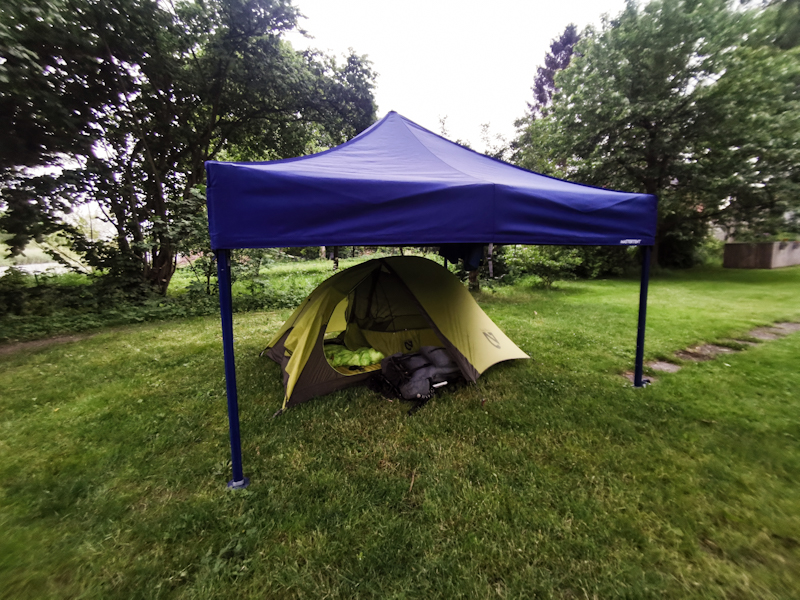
{"x":398,"y":184}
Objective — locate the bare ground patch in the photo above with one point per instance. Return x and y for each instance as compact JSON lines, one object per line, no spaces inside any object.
{"x":704,"y":352}
{"x":766,"y":333}
{"x":773,"y":332}
{"x":664,"y":366}
{"x":787,"y":327}
{"x":8,"y":349}
{"x":655,"y":365}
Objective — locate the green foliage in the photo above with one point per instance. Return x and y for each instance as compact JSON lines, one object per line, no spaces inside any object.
{"x":306,"y":252}
{"x":711,"y":252}
{"x":33,"y":307}
{"x":178,"y":84}
{"x":607,"y":261}
{"x":689,"y":100}
{"x":536,"y":147}
{"x":548,"y":263}
{"x":24,"y":294}
{"x":13,"y":284}
{"x":51,"y":81}
{"x":553,"y":263}
{"x":760,"y":95}
{"x":786,"y":23}
{"x":549,"y":478}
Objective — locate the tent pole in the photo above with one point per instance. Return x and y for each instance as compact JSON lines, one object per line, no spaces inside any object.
{"x":637,"y":375}
{"x":226,"y":314}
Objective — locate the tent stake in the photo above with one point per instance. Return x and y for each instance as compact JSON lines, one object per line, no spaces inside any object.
{"x":637,"y":375}
{"x":226,"y":314}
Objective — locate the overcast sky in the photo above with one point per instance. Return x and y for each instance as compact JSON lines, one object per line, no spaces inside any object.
{"x":472,"y":62}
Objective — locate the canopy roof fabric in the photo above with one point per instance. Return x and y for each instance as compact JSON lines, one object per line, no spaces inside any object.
{"x":399,"y":184}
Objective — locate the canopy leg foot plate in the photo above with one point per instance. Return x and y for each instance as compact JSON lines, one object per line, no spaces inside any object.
{"x":238,"y":485}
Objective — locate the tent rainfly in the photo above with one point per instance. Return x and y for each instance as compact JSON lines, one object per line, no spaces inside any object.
{"x":387,"y":305}
{"x":398,"y":184}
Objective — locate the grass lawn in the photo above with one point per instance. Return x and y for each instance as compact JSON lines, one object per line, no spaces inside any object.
{"x":550,"y":478}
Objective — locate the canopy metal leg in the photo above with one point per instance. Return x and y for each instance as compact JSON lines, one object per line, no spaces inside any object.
{"x":637,"y":375}
{"x":226,"y":314}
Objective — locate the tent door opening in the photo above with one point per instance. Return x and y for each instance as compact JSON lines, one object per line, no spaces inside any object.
{"x":378,"y":318}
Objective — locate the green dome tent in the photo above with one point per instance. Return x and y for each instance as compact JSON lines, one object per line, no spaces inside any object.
{"x":396,"y":304}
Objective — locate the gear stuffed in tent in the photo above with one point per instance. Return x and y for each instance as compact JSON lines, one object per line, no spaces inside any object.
{"x":377,"y":312}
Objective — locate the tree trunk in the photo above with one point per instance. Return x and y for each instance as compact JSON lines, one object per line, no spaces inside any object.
{"x":159,"y":273}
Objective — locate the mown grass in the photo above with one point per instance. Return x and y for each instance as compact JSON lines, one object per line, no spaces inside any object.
{"x":550,"y":478}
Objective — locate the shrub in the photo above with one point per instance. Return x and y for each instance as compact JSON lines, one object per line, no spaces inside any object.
{"x":548,"y":263}
{"x":605,"y":261}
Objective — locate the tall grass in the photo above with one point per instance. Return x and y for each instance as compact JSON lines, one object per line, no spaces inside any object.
{"x":33,"y":255}
{"x":33,"y":307}
{"x":549,"y":478}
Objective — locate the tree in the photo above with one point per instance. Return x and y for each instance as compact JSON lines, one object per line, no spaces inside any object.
{"x":663,"y":100}
{"x":182,"y":82}
{"x":759,"y":155}
{"x":760,"y":95}
{"x":536,"y":146}
{"x":532,"y":149}
{"x":51,"y":82}
{"x":495,"y":145}
{"x":558,"y":59}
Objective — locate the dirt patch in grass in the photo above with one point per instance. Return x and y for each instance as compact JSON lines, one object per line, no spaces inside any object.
{"x":787,"y":328}
{"x":706,"y":352}
{"x":774,"y":332}
{"x":703,"y":352}
{"x":766,"y":333}
{"x":664,"y":366}
{"x":7,"y":349}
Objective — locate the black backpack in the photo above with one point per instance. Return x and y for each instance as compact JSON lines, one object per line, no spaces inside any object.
{"x":416,"y":376}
